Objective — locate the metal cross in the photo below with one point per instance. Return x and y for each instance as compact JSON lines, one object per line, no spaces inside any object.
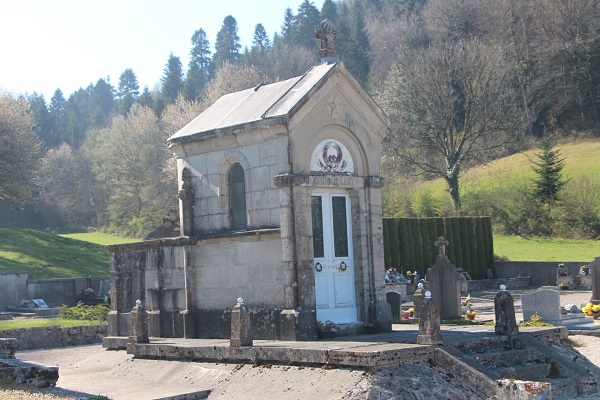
{"x":441,"y":243}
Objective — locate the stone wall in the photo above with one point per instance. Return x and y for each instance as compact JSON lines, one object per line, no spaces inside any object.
{"x":16,"y":286}
{"x":541,"y":273}
{"x":8,"y":346}
{"x":55,"y":336}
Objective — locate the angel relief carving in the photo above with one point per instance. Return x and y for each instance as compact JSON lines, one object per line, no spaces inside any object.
{"x":331,"y":156}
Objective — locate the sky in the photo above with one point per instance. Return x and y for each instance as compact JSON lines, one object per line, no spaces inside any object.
{"x":68,"y":44}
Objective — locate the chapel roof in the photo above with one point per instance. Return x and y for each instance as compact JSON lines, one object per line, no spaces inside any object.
{"x":264,"y":104}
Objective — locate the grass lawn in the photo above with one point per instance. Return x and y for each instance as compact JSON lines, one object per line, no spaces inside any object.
{"x":36,"y":322}
{"x":517,"y":248}
{"x":98,"y":238}
{"x":45,"y":255}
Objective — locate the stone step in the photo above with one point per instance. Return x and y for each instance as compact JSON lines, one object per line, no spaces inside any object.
{"x":563,"y":388}
{"x":504,"y":358}
{"x":530,"y":371}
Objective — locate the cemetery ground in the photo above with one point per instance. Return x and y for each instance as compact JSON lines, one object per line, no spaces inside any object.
{"x":117,"y":375}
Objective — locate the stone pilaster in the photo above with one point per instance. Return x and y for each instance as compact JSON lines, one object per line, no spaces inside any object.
{"x":138,"y":324}
{"x":241,"y":331}
{"x":187,"y":198}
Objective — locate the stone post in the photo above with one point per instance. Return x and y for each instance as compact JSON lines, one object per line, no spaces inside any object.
{"x":418,"y":301}
{"x":138,"y":324}
{"x":8,"y":347}
{"x":240,"y":325}
{"x":506,"y":322}
{"x":187,"y":197}
{"x":595,"y":270}
{"x":429,"y":322}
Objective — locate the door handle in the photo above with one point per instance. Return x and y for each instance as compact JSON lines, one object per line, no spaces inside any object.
{"x":318,"y":267}
{"x":343,"y":266}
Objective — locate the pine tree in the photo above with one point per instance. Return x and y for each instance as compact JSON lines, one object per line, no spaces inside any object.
{"x":198,"y":72}
{"x":172,"y":80}
{"x":306,"y":21}
{"x":43,"y":122}
{"x":145,"y":99}
{"x":548,"y":170}
{"x":127,"y":91}
{"x":357,"y":56}
{"x":329,"y":11}
{"x":101,"y":103}
{"x":287,"y":27}
{"x":56,"y":109}
{"x":227,"y":45}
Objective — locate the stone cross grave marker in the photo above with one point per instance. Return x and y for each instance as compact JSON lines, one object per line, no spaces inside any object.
{"x":429,"y":322}
{"x":544,"y":302}
{"x":504,"y":306}
{"x":444,"y":283}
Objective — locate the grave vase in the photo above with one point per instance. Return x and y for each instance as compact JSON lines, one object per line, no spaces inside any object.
{"x":595,"y":315}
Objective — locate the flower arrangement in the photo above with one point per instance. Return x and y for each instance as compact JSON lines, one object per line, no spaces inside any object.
{"x":88,"y":292}
{"x":392,"y":271}
{"x":590,"y":309}
{"x":327,"y":326}
{"x":467,"y":302}
{"x":470,"y":315}
{"x":407,"y":313}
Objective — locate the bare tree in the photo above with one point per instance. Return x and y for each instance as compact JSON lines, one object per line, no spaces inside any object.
{"x":451,"y":105}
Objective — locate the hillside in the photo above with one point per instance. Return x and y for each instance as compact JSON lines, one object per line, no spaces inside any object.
{"x":496,"y":179}
{"x":45,"y":255}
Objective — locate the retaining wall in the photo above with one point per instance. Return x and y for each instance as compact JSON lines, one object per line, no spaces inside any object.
{"x":541,"y":273}
{"x":55,"y":336}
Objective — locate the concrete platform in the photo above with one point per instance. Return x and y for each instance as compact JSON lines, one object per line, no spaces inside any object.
{"x":392,"y":348}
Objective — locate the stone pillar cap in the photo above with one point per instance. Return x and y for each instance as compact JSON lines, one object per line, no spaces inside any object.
{"x":428,"y":294}
{"x":503,"y":287}
{"x":138,"y":302}
{"x":420,"y":285}
{"x":240,"y":300}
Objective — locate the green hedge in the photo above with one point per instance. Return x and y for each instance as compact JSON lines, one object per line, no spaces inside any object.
{"x":409,"y":243}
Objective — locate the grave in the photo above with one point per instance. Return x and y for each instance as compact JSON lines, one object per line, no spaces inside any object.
{"x":595,"y":270}
{"x":279,"y":203}
{"x":543,"y":302}
{"x":504,"y":307}
{"x":444,"y":283}
{"x":395,"y":301}
{"x":429,"y":322}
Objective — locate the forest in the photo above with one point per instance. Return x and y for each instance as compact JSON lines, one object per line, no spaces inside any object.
{"x":464,"y":82}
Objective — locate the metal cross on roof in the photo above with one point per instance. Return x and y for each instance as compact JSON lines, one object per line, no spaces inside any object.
{"x":441,"y":243}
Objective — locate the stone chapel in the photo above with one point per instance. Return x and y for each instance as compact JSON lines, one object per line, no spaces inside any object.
{"x":280,"y":204}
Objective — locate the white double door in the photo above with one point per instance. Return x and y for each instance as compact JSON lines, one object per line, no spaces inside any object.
{"x":334,"y":263}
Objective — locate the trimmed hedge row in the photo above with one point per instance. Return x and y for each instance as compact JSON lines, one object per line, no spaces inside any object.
{"x":409,"y":243}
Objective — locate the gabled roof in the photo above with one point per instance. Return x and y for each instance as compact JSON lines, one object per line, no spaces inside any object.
{"x":261,"y":106}
{"x":262,"y":103}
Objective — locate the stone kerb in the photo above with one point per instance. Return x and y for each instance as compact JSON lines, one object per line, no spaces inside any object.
{"x":543,"y":302}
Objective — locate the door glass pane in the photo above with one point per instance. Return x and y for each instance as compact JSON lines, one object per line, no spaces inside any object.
{"x":340,"y":226}
{"x":317,"y":226}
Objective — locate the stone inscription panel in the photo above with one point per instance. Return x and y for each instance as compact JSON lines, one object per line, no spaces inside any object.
{"x":335,"y":181}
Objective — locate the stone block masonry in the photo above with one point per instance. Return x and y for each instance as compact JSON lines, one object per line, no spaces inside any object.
{"x":55,"y":336}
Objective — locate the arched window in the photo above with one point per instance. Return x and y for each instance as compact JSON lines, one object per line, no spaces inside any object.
{"x":237,"y":198}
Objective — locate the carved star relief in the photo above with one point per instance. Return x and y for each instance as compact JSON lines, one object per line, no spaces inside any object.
{"x":335,"y":107}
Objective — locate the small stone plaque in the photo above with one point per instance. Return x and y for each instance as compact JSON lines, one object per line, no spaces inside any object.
{"x":40,"y":303}
{"x":544,"y":302}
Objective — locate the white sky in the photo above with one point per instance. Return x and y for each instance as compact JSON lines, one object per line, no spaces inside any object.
{"x":68,"y":44}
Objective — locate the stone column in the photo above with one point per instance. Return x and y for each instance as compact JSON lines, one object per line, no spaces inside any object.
{"x":241,"y":334}
{"x":418,"y":298}
{"x":429,"y":322}
{"x":506,"y":322}
{"x":298,"y":319}
{"x":595,"y":269}
{"x":188,"y":315}
{"x":138,"y":324}
{"x":187,"y":197}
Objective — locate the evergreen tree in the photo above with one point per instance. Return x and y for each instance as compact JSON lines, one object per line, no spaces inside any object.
{"x":101,"y":104}
{"x":329,"y":11}
{"x":43,"y":122}
{"x":227,"y":46}
{"x":172,"y":80}
{"x":306,"y":21}
{"x":77,"y":116}
{"x":261,"y":48}
{"x":261,"y":39}
{"x":548,"y":169}
{"x":58,"y":117}
{"x":357,"y":55}
{"x":145,"y":99}
{"x":198,"y":72}
{"x":127,"y":91}
{"x":287,"y":27}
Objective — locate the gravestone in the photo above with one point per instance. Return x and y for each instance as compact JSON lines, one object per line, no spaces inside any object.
{"x":544,"y":302}
{"x":429,"y":322}
{"x":240,"y":325}
{"x":418,"y":298}
{"x":595,"y":268}
{"x":444,"y":283}
{"x":395,"y":300}
{"x":504,"y":306}
{"x":138,"y":324}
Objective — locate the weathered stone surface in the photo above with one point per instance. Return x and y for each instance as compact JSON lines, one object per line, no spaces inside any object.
{"x":429,"y":322}
{"x":444,"y":284}
{"x":20,"y":372}
{"x":595,"y":267}
{"x":512,"y":389}
{"x":418,"y":298}
{"x":241,"y":330}
{"x":8,"y":346}
{"x":504,"y":306}
{"x":138,"y":325}
{"x":545,"y":303}
{"x":54,"y":336}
